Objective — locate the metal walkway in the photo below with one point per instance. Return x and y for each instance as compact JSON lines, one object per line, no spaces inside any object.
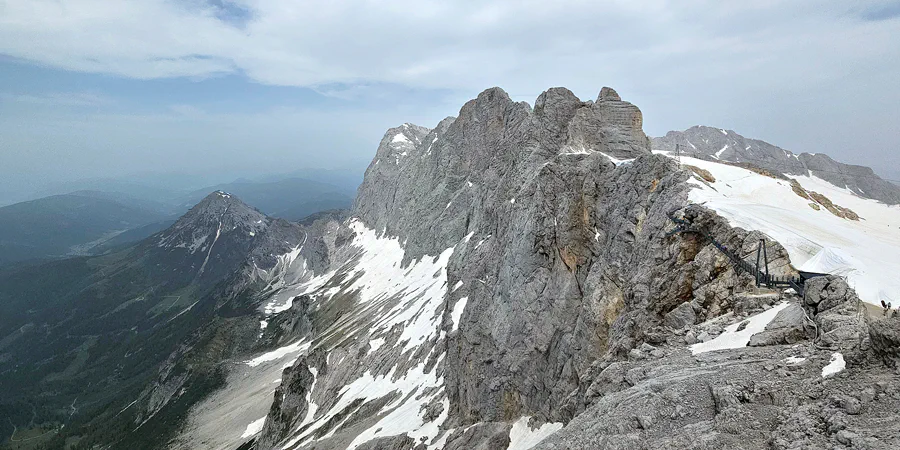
{"x":758,"y":271}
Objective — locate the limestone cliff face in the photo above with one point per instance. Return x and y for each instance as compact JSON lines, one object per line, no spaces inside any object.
{"x":573,"y":259}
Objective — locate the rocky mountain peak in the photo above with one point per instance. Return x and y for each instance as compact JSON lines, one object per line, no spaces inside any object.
{"x":399,"y":143}
{"x":516,"y":271}
{"x":220,"y":207}
{"x":484,"y":157}
{"x":222,"y":231}
{"x":220,"y":202}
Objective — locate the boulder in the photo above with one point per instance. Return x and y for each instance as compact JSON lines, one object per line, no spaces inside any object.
{"x":838,"y":314}
{"x":682,"y":316}
{"x":788,"y":327}
{"x":753,"y":303}
{"x":885,"y":337}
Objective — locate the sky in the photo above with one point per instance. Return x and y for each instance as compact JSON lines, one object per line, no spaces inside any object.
{"x":220,"y":89}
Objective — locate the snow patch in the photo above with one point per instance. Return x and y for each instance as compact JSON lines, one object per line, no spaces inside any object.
{"x":731,"y":338}
{"x":456,"y":314}
{"x":405,"y":413}
{"x":523,"y":437}
{"x":719,"y":153}
{"x":255,"y":427}
{"x":864,"y":251}
{"x":575,"y":151}
{"x":375,"y":344}
{"x":836,"y":365}
{"x":399,"y":138}
{"x":617,"y":161}
{"x":205,"y":261}
{"x":278,"y":353}
{"x":387,"y":295}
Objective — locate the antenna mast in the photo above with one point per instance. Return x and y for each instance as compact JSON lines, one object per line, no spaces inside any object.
{"x":678,"y":154}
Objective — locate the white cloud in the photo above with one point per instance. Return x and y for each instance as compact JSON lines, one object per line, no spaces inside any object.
{"x":524,"y":45}
{"x":804,"y":74}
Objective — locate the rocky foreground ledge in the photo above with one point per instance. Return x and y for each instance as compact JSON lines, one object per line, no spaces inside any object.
{"x":822,"y":374}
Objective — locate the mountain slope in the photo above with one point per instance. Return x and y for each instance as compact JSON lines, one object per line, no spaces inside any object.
{"x":510,"y":275}
{"x":57,"y":226}
{"x":726,"y":145}
{"x":116,"y":347}
{"x":514,"y":278}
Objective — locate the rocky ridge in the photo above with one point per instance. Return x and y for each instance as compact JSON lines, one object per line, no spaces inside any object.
{"x":727,"y":145}
{"x":511,"y":272}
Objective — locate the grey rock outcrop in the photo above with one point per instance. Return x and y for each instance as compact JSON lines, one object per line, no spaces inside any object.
{"x":790,"y":326}
{"x":726,"y":145}
{"x":565,"y":231}
{"x":682,"y":316}
{"x":838,"y":313}
{"x":884,"y":334}
{"x":483,"y":436}
{"x":751,"y":399}
{"x":290,"y":402}
{"x":401,"y":442}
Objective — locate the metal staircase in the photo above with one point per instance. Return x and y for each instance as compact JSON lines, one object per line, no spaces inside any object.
{"x":760,"y":271}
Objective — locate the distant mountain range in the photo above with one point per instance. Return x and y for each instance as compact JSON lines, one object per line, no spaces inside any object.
{"x":717,"y":144}
{"x":289,"y":198}
{"x":63,"y":225}
{"x":170,"y":188}
{"x":88,"y":333}
{"x":90,"y":222}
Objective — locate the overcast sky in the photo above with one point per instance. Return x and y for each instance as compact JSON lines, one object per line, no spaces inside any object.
{"x":99,"y":88}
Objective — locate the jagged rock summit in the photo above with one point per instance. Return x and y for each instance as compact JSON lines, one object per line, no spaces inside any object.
{"x":493,"y":145}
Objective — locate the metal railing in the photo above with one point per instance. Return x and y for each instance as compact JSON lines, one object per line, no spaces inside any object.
{"x":759,"y":272}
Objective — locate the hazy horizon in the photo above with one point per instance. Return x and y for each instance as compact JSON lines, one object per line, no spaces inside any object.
{"x":220,"y":89}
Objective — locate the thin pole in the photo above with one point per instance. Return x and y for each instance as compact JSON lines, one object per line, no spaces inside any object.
{"x":758,"y":254}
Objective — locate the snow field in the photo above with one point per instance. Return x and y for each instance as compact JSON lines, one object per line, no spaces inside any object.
{"x":864,"y":251}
